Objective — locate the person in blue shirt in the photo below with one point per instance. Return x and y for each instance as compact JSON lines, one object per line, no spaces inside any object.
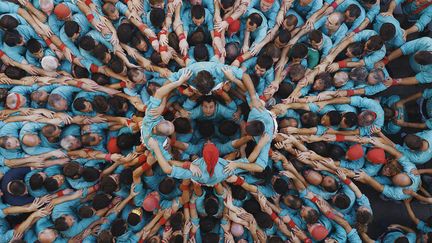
{"x":333,"y":26}
{"x":390,"y":31}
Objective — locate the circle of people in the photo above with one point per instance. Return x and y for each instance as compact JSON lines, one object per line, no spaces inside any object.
{"x":211,"y":120}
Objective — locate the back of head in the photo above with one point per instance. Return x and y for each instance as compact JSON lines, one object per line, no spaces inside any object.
{"x":118,"y":227}
{"x":17,"y":188}
{"x":342,"y":201}
{"x":101,"y":201}
{"x":299,"y":51}
{"x":354,"y":10}
{"x":255,"y":128}
{"x":423,"y":57}
{"x":157,"y":17}
{"x":108,"y":184}
{"x":228,"y":128}
{"x":90,"y":174}
{"x":387,"y":31}
{"x":255,"y":19}
{"x":265,"y":62}
{"x":8,"y":22}
{"x":413,"y":142}
{"x":51,"y":184}
{"x":206,"y":128}
{"x":125,"y":31}
{"x":204,"y":82}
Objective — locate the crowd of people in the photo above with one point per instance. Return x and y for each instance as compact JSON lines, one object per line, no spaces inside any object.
{"x":212,"y":120}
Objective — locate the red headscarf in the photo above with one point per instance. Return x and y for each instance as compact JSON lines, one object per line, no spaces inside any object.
{"x":211,"y":157}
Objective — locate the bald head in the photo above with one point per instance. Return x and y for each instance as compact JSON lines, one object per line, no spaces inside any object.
{"x":401,"y":179}
{"x":31,"y":140}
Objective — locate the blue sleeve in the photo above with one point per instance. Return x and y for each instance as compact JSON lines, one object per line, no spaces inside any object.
{"x":424,"y":19}
{"x":352,"y":165}
{"x":180,"y":173}
{"x":373,"y":12}
{"x":65,"y":39}
{"x":8,"y":7}
{"x":415,"y":45}
{"x":375,"y":57}
{"x":317,"y":5}
{"x":424,"y":77}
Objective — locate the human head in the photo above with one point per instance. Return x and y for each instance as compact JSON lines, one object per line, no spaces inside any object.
{"x":401,"y":180}
{"x":253,"y":22}
{"x":290,"y":22}
{"x":228,"y":128}
{"x":355,"y":49}
{"x":318,"y":231}
{"x":322,"y":82}
{"x":13,"y":38}
{"x":349,"y":119}
{"x":298,"y":52}
{"x":255,"y":128}
{"x":263,"y":64}
{"x":309,"y":119}
{"x":309,"y":215}
{"x":375,"y":76}
{"x":109,"y":183}
{"x":352,"y":13}
{"x":198,"y":14}
{"x":46,"y":6}
{"x":8,"y":142}
{"x":62,"y":11}
{"x":17,"y":188}
{"x":316,"y":39}
{"x":413,"y":142}
{"x":376,"y":156}
{"x":50,"y":63}
{"x":423,"y":57}
{"x":387,"y":31}
{"x":110,"y":11}
{"x":157,"y":17}
{"x":31,"y":140}
{"x":72,"y":29}
{"x":204,"y":82}
{"x":101,"y":200}
{"x":15,"y":101}
{"x":312,"y":177}
{"x":331,"y":118}
{"x":151,"y":201}
{"x":47,"y":235}
{"x":296,"y":72}
{"x":72,"y":170}
{"x":358,"y":74}
{"x":355,"y":152}
{"x":334,"y":21}
{"x":366,"y":118}
{"x":36,"y":180}
{"x":373,"y":44}
{"x":341,"y":201}
{"x":201,"y":53}
{"x":165,"y":128}
{"x":340,"y":79}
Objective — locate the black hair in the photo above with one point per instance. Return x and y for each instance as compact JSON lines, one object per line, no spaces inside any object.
{"x":71,"y":28}
{"x":263,"y":220}
{"x":207,"y":224}
{"x":33,"y":45}
{"x":351,"y":119}
{"x":316,"y":36}
{"x":335,"y":117}
{"x":116,"y":64}
{"x":176,"y":221}
{"x":126,"y":176}
{"x":336,"y":152}
{"x":356,"y":48}
{"x":255,"y":19}
{"x":280,"y":186}
{"x":228,"y":128}
{"x":423,"y":57}
{"x":312,"y":216}
{"x":204,"y":82}
{"x":227,"y":3}
{"x":285,"y":90}
{"x":133,"y":219}
{"x":255,"y":128}
{"x":118,"y":227}
{"x":387,"y":31}
{"x":206,"y":128}
{"x":125,"y":31}
{"x":167,"y":185}
{"x":17,"y":187}
{"x":36,"y":181}
{"x":14,"y":72}
{"x":100,"y":104}
{"x":157,"y":17}
{"x":116,"y":103}
{"x":79,"y":103}
{"x":182,"y":125}
{"x":211,"y":205}
{"x":100,"y":51}
{"x":251,"y":206}
{"x":309,"y":119}
{"x":413,"y":142}
{"x":238,"y":192}
{"x":87,"y":43}
{"x":101,"y":201}
{"x":299,"y":50}
{"x":284,"y":36}
{"x":354,"y":11}
{"x":201,"y":53}
{"x":8,"y":22}
{"x":108,"y":184}
{"x":85,"y":212}
{"x":60,"y":224}
{"x":90,"y":174}
{"x":51,"y":184}
{"x":71,"y":169}
{"x":12,"y":37}
{"x":80,"y":72}
{"x":342,"y":201}
{"x":375,"y":43}
{"x":264,"y":61}
{"x":318,"y":147}
{"x":197,"y":11}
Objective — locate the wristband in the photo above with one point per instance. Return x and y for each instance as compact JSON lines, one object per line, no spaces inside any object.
{"x":94,"y":68}
{"x":60,"y":193}
{"x":128,"y":122}
{"x":192,"y":205}
{"x":142,"y":158}
{"x":90,"y":17}
{"x":347,"y":181}
{"x":181,"y":37}
{"x":350,"y":92}
{"x":291,"y":224}
{"x":184,"y":188}
{"x":239,"y":181}
{"x":395,"y":82}
{"x":162,"y":221}
{"x":186,"y":205}
{"x":163,"y":32}
{"x":314,"y":199}
{"x":80,"y":84}
{"x":1,"y":53}
{"x":88,"y":2}
{"x":340,"y":138}
{"x":151,"y":39}
{"x":330,"y":215}
{"x":145,"y":166}
{"x":48,"y":41}
{"x":230,"y":20}
{"x":240,"y":59}
{"x":334,"y":5}
{"x":273,"y":216}
{"x":62,"y":47}
{"x":217,"y":34}
{"x":123,"y":84}
{"x":270,"y":152}
{"x":342,"y":64}
{"x":172,"y":140}
{"x":163,"y":48}
{"x":108,"y":157}
{"x":186,"y":165}
{"x":308,"y":240}
{"x":385,"y":60}
{"x":185,"y":58}
{"x":126,"y":1}
{"x":356,"y":30}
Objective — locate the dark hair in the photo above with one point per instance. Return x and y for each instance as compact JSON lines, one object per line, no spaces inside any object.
{"x":204,"y":82}
{"x":8,"y":22}
{"x":318,"y":147}
{"x":71,"y":28}
{"x":100,"y":51}
{"x":255,"y":19}
{"x":299,"y":50}
{"x":90,"y":174}
{"x":118,"y":227}
{"x":291,"y":19}
{"x":51,"y":184}
{"x":182,"y":125}
{"x":126,"y":176}
{"x":354,"y":11}
{"x":80,"y":72}
{"x":284,"y":36}
{"x":285,"y":90}
{"x":211,"y":237}
{"x":105,"y":236}
{"x":280,"y":186}
{"x":387,"y":31}
{"x":264,"y":61}
{"x":60,"y":224}
{"x":332,"y":187}
{"x":375,"y":43}
{"x":294,"y":202}
{"x":275,"y":239}
{"x":232,"y":50}
{"x":87,"y":43}
{"x":423,"y":57}
{"x":207,"y":224}
{"x":125,"y":31}
{"x":167,"y":185}
{"x":176,"y":221}
{"x":85,"y":212}
{"x":157,"y":17}
{"x":116,"y":64}
{"x":227,"y":3}
{"x":263,"y":220}
{"x":79,"y":104}
{"x":33,"y":45}
{"x":116,"y":103}
{"x":206,"y":128}
{"x":336,"y":152}
{"x":14,"y":72}
{"x":312,"y":216}
{"x":133,"y":219}
{"x":309,"y":119}
{"x":251,"y":206}
{"x":228,"y":128}
{"x":100,"y":104}
{"x":137,"y":38}
{"x":335,"y":117}
{"x":238,"y":192}
{"x":413,"y":142}
{"x":36,"y":181}
{"x":108,"y":184}
{"x":197,"y":11}
{"x":71,"y":169}
{"x":12,"y":37}
{"x":326,"y":78}
{"x":255,"y":128}
{"x":402,"y":239}
{"x":351,"y":119}
{"x":211,"y":205}
{"x":356,"y":48}
{"x":363,"y":216}
{"x":342,"y":201}
{"x":316,"y":36}
{"x":101,"y":201}
{"x":201,"y":53}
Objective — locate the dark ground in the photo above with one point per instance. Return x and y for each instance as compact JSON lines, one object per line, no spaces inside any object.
{"x":390,"y":212}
